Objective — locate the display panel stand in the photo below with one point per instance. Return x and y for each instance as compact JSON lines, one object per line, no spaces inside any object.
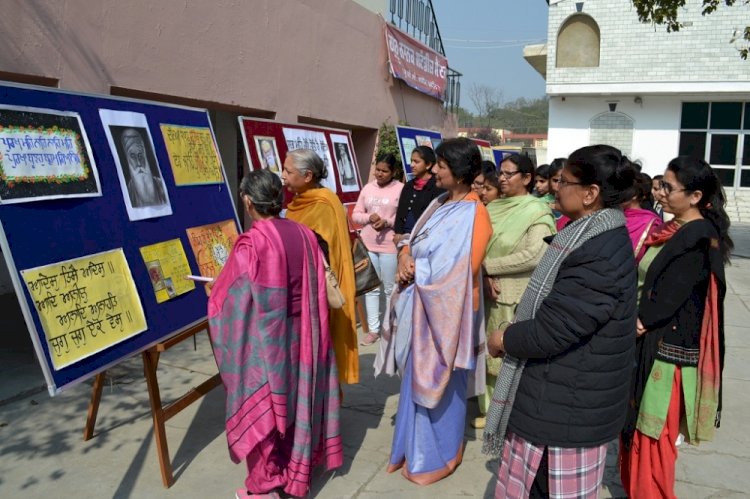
{"x":161,"y":414}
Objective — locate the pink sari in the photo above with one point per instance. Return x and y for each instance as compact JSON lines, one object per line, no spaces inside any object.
{"x":640,"y":224}
{"x":269,"y":331}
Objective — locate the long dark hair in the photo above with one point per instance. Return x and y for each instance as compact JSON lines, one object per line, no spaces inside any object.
{"x":606,"y":167}
{"x":697,"y":175}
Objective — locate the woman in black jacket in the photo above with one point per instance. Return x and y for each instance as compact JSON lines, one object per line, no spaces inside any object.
{"x":677,"y":382}
{"x":562,"y":389}
{"x":417,"y":193}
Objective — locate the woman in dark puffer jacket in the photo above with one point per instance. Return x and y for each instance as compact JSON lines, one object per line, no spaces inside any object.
{"x":562,"y":390}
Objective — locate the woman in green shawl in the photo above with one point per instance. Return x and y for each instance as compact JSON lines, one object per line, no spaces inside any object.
{"x":520,"y":222}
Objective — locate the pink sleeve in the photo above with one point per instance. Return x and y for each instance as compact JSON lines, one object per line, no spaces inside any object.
{"x":359,"y":214}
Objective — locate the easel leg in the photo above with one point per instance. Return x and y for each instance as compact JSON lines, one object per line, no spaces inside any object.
{"x":150,"y":362}
{"x":362,"y":315}
{"x":96,"y":397}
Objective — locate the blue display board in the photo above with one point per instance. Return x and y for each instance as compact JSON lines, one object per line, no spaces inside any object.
{"x":501,"y":154}
{"x":409,"y":137}
{"x":43,"y":232}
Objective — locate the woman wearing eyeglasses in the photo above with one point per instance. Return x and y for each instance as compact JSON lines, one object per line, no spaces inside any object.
{"x":676,"y":388}
{"x":561,"y":394}
{"x":520,"y":222}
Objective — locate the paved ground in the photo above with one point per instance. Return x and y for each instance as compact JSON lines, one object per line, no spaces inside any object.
{"x":42,"y":453}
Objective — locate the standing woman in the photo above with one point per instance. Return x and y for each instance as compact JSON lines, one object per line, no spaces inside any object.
{"x":268,"y":317}
{"x":561,"y":394}
{"x":376,"y":212}
{"x":640,"y":219}
{"x":417,"y":193}
{"x":677,"y":381}
{"x":320,"y":209}
{"x":436,"y":339}
{"x":520,"y":222}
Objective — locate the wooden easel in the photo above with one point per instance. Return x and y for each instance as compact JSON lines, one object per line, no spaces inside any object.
{"x":160,"y":413}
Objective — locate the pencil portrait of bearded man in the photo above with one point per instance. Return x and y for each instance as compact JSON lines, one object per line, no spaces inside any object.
{"x":142,"y":177}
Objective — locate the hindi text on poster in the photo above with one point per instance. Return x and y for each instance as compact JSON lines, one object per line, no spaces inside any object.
{"x":85,"y":305}
{"x":211,"y":245}
{"x":192,"y":154}
{"x":418,"y":65}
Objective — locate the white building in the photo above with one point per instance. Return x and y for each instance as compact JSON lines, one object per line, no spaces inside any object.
{"x":653,"y":94}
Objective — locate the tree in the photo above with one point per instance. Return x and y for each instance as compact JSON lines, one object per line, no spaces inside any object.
{"x":664,"y":12}
{"x":487,"y":134}
{"x":486,"y":100}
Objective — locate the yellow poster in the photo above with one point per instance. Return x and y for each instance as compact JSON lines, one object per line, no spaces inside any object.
{"x":167,"y":267}
{"x":192,"y":154}
{"x":211,"y":245}
{"x":85,"y":305}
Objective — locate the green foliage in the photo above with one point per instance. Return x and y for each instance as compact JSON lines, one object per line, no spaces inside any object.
{"x":388,"y":143}
{"x":665,"y":12}
{"x":521,"y":115}
{"x":487,"y":134}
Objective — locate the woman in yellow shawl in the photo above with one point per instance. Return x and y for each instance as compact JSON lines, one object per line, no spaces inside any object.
{"x":320,"y":209}
{"x":520,"y":222}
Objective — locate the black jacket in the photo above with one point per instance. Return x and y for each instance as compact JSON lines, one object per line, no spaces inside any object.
{"x":580,"y":348}
{"x":412,"y":203}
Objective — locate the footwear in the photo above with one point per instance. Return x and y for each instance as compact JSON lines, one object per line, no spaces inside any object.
{"x":369,"y":339}
{"x":244,"y":494}
{"x":479,"y":422}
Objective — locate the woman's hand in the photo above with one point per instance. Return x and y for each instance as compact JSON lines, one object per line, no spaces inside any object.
{"x":495,"y":343}
{"x":405,"y":272}
{"x":374,"y":218}
{"x":397,"y":238}
{"x":379,"y":225}
{"x":639,"y":328}
{"x":491,"y":289}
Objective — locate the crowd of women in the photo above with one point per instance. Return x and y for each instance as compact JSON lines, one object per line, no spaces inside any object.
{"x":557,"y":295}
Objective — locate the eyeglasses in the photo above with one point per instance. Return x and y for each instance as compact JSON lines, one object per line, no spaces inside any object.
{"x":668,"y":188}
{"x":507,"y":174}
{"x":562,"y":183}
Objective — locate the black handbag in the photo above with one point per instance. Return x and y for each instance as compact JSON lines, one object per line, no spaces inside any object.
{"x":365,"y":275}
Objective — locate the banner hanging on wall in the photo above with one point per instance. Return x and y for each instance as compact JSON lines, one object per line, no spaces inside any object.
{"x":418,"y":65}
{"x":44,"y":154}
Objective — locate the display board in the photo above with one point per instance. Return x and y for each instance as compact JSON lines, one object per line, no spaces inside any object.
{"x":267,"y":142}
{"x":409,"y":138}
{"x":95,"y":227}
{"x":485,"y":147}
{"x":501,"y":154}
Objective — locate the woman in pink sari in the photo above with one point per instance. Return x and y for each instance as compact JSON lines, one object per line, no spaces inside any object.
{"x":268,"y":316}
{"x":640,"y":218}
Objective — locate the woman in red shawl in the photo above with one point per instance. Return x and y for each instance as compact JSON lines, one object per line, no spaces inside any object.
{"x":640,"y":218}
{"x":268,"y":316}
{"x":676,"y":387}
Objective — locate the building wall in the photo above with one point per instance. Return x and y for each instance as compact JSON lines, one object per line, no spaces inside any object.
{"x":293,"y":61}
{"x":635,"y":52}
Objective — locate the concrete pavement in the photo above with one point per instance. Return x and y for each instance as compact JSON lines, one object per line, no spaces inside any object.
{"x":42,"y":453}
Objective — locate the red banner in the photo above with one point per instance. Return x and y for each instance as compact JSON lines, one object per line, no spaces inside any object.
{"x":418,"y":65}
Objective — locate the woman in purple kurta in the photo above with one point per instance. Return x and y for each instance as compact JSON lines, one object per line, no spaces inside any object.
{"x":268,"y":317}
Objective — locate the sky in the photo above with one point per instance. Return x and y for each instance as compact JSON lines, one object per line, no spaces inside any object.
{"x":484,"y":40}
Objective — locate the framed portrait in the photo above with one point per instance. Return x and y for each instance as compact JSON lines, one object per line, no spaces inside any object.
{"x":268,"y":154}
{"x":141,"y":181}
{"x":347,"y":168}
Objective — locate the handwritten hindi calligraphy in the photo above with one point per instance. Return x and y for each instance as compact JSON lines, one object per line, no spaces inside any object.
{"x":85,"y":305}
{"x":167,"y":267}
{"x":192,"y":154}
{"x":299,"y":138}
{"x":44,"y":155}
{"x":212,"y":244}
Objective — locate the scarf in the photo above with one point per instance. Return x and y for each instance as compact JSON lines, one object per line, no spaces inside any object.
{"x":419,"y":183}
{"x":565,"y":242}
{"x":640,"y":224}
{"x":511,"y":218}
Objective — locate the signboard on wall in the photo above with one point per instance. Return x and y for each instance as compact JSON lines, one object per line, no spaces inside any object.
{"x":416,"y":64}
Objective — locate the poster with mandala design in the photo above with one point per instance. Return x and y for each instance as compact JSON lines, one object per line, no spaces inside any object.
{"x":211,"y":245}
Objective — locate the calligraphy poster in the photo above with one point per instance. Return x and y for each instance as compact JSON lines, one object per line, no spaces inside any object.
{"x":211,"y":246}
{"x":44,"y":154}
{"x":192,"y":154}
{"x":141,"y":181}
{"x":408,"y":145}
{"x":167,"y":267}
{"x":297,"y":138}
{"x":346,"y":165}
{"x":424,"y":140}
{"x":85,"y":305}
{"x":268,"y":154}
